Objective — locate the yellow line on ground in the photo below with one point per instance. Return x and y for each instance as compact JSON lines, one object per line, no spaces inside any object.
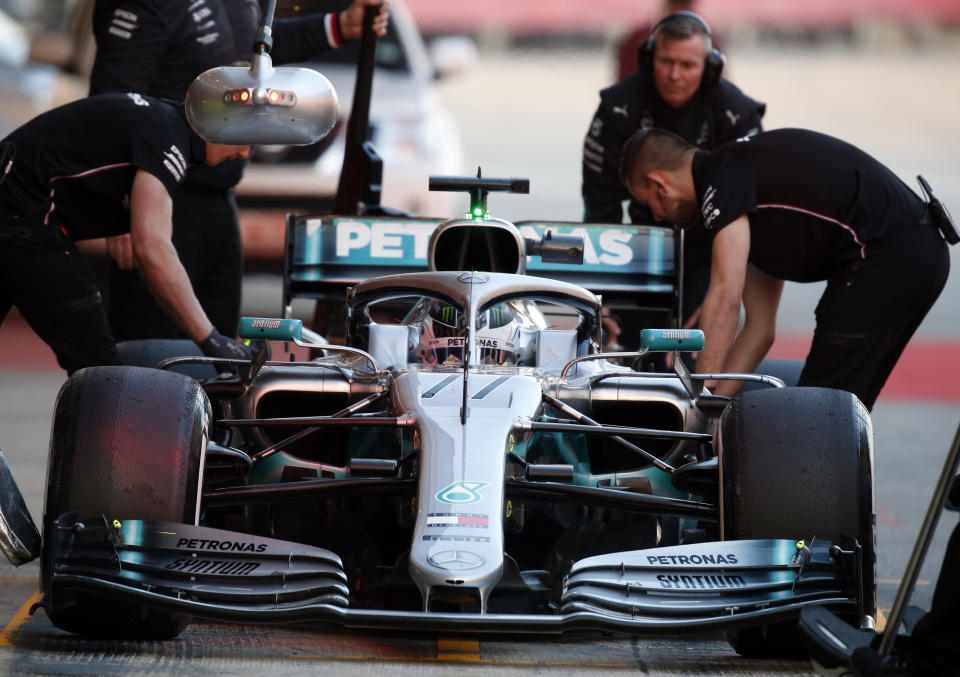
{"x":898,"y":581}
{"x":18,"y":619}
{"x":449,"y":644}
{"x":458,"y":649}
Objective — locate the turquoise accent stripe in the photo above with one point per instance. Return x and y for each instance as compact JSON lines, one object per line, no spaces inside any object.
{"x":655,"y":252}
{"x":690,"y":340}
{"x":270,"y":328}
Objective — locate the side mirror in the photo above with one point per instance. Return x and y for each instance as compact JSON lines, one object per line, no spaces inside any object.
{"x":235,"y":105}
{"x":270,"y":328}
{"x":556,"y":248}
{"x":660,"y":340}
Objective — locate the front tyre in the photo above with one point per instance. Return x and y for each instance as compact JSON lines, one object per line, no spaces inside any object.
{"x":127,"y":443}
{"x":797,"y":463}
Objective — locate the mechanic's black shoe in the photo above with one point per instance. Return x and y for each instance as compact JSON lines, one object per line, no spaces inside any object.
{"x":866,"y":662}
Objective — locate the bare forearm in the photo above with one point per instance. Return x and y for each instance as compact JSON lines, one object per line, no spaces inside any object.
{"x":761,"y":297}
{"x":720,"y":313}
{"x":718,"y":319}
{"x":151,"y":227}
{"x":170,"y":285}
{"x":749,"y":347}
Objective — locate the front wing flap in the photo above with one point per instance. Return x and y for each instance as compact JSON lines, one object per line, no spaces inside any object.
{"x":712,"y":579}
{"x":232,"y":577}
{"x":183,"y":562}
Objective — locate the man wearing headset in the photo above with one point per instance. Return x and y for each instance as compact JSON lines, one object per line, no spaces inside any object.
{"x":678,"y":87}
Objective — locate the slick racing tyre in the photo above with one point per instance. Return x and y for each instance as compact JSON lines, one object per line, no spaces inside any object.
{"x":127,"y":442}
{"x":797,"y":463}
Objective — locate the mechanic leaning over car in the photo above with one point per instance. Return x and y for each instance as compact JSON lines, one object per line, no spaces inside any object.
{"x":98,"y":167}
{"x":678,"y":87}
{"x":792,"y":204}
{"x":157,"y":47}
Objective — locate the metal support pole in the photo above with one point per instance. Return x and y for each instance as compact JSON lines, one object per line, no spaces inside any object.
{"x":921,"y":547}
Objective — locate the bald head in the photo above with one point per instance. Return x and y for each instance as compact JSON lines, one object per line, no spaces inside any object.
{"x":656,"y":168}
{"x":653,"y":149}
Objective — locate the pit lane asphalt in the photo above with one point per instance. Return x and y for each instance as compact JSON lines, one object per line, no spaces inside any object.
{"x":870,"y":99}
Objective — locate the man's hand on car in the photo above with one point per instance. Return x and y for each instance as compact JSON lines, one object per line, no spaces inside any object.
{"x":218,"y":345}
{"x":351,"y":20}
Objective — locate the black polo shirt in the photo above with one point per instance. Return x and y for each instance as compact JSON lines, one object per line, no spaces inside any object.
{"x":73,"y":166}
{"x":816,"y":204}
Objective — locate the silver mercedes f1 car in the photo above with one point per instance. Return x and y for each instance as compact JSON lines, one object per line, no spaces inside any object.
{"x":467,"y":459}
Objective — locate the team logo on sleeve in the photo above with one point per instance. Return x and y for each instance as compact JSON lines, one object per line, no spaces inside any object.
{"x":596,"y":127}
{"x":593,"y":155}
{"x":734,"y":118}
{"x":708,"y":211}
{"x":123,"y":24}
{"x":206,"y":25}
{"x":138,"y":99}
{"x":174,"y":162}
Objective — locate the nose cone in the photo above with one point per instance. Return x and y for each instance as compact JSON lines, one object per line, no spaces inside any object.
{"x":456,"y":552}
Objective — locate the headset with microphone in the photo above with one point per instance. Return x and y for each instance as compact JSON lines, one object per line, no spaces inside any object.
{"x":713,"y":65}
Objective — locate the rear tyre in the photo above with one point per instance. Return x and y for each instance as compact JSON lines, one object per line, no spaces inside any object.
{"x":127,"y":443}
{"x":797,"y":463}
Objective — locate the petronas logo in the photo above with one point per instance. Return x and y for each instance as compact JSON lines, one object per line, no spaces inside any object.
{"x":460,"y":493}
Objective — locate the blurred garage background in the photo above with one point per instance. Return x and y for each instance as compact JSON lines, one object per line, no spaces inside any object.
{"x":511,"y":87}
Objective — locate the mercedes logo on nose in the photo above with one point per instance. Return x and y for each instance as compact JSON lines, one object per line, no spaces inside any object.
{"x":473,"y":277}
{"x":456,"y":560}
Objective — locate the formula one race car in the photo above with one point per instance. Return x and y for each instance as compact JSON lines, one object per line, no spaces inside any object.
{"x":467,"y":461}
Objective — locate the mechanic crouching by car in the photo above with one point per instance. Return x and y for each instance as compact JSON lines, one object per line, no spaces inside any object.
{"x":98,"y":167}
{"x":792,"y":204}
{"x":158,"y":47}
{"x":677,"y":87}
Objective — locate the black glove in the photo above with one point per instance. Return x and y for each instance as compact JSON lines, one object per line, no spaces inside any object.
{"x":218,"y":345}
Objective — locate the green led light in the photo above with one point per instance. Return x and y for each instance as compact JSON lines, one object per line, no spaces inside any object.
{"x":478,"y":212}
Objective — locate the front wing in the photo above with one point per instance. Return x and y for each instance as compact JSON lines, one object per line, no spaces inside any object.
{"x":232,"y":577}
